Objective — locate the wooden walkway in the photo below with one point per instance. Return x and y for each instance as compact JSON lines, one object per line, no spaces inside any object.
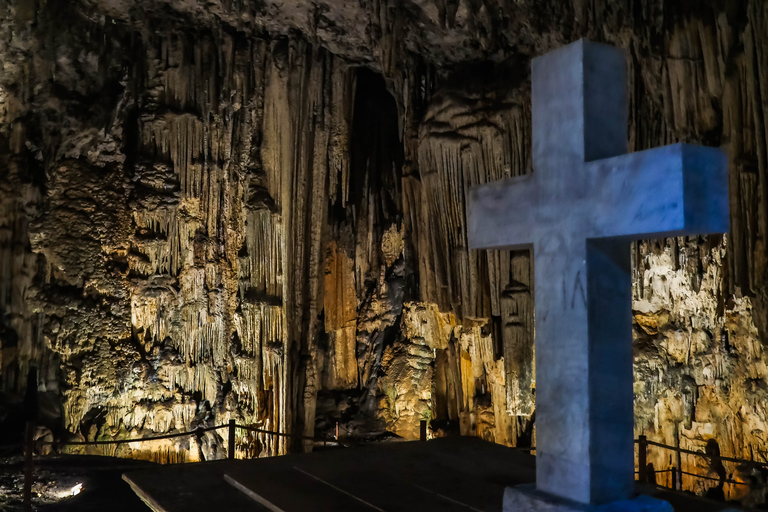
{"x":453,"y":475}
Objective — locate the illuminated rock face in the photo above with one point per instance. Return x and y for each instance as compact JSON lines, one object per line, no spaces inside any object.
{"x":189,"y":193}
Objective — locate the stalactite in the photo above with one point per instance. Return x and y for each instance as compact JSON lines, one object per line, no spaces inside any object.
{"x":463,"y":143}
{"x":340,"y":308}
{"x":340,"y":125}
{"x":22,"y":345}
{"x":262,"y":266}
{"x":260,"y":329}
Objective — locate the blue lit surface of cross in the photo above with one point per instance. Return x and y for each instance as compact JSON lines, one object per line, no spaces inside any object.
{"x":579,"y":210}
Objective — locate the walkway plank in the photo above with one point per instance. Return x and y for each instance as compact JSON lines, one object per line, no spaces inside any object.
{"x":188,"y":488}
{"x":285,"y":489}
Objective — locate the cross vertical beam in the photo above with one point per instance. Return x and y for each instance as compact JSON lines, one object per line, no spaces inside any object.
{"x":579,"y":106}
{"x":584,"y":412}
{"x":584,"y":406}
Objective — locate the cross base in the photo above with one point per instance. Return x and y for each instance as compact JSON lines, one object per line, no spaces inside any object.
{"x":525,"y":498}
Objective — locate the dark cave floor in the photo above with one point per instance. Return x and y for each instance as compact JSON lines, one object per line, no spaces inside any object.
{"x":101,"y":487}
{"x":447,"y":474}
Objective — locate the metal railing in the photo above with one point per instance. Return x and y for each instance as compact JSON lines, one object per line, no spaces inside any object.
{"x":677,"y":472}
{"x":642,"y":442}
{"x":232,"y":426}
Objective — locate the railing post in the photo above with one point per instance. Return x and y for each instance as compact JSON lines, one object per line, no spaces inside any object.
{"x":674,"y":478}
{"x":642,"y":458}
{"x":231,"y":444}
{"x":27,"y":497}
{"x":423,"y":430}
{"x":337,"y":430}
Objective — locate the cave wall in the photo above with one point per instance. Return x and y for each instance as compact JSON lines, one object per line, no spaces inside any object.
{"x":256,"y":210}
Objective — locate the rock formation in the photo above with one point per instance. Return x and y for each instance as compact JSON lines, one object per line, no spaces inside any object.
{"x":256,"y":210}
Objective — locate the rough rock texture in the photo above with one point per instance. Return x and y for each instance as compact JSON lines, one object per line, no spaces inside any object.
{"x":255,"y":210}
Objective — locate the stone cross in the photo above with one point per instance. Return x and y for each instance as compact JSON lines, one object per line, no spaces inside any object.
{"x":579,"y":210}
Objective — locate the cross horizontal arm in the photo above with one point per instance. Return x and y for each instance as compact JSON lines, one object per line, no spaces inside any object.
{"x":503,"y":214}
{"x":670,"y":191}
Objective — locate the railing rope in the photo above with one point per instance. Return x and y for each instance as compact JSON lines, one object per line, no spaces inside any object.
{"x":199,"y":430}
{"x":278,"y":434}
{"x":705,"y":477}
{"x":706,"y":456}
